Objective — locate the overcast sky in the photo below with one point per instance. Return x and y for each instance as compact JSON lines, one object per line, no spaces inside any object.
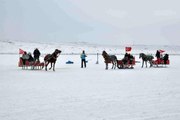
{"x":114,"y":22}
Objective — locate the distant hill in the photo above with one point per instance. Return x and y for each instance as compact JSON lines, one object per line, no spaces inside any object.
{"x":12,"y":47}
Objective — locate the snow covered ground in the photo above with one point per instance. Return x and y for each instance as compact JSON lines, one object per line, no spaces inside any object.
{"x":92,"y":93}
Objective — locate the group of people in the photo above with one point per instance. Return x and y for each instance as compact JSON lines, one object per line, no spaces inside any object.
{"x":160,"y":57}
{"x":28,"y":57}
{"x":128,"y":58}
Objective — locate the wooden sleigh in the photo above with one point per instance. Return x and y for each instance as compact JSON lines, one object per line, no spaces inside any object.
{"x":128,"y":65}
{"x":160,"y":62}
{"x":31,"y":65}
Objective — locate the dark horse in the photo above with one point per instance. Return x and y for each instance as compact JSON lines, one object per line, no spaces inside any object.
{"x":51,"y":58}
{"x":109,"y":59}
{"x":146,"y":58}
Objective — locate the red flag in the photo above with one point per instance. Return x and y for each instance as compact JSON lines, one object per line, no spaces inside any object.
{"x":21,"y":51}
{"x":128,"y":49}
{"x":161,"y":51}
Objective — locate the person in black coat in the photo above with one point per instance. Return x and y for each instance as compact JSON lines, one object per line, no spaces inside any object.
{"x":31,"y":59}
{"x":166,"y":58}
{"x":36,"y":54}
{"x":125,"y":59}
{"x":158,"y":55}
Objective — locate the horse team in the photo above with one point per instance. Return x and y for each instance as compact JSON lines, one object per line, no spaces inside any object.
{"x":127,"y":62}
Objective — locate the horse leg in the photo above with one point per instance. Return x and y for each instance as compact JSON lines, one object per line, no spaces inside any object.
{"x":142,"y":63}
{"x":51,"y":66}
{"x":115,"y":62}
{"x":150,"y":63}
{"x":46,"y":64}
{"x":122,"y":65}
{"x":112,"y":65}
{"x":106,"y":66}
{"x":42,"y":66}
{"x":54,"y":66}
{"x":146,"y":63}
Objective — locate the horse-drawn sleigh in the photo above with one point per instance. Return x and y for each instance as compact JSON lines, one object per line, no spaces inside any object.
{"x":163,"y":61}
{"x":49,"y":58}
{"x":127,"y":62}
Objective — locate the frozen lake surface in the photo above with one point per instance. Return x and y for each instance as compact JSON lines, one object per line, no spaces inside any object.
{"x":92,"y":93}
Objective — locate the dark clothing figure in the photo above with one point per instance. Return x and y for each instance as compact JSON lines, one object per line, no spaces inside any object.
{"x":131,"y":59}
{"x":83,"y":59}
{"x":166,"y":58}
{"x":125,"y":59}
{"x":158,"y":55}
{"x":36,"y":54}
{"x":31,"y":59}
{"x":24,"y":58}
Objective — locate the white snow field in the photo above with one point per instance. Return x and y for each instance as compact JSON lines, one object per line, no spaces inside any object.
{"x":92,"y":93}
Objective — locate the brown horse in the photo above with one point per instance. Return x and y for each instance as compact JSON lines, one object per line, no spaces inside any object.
{"x":109,"y":59}
{"x":51,"y":58}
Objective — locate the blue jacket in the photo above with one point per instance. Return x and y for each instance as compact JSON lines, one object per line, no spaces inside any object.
{"x":83,"y":56}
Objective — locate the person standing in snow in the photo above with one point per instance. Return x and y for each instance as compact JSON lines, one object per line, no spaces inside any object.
{"x":36,"y":54}
{"x":83,"y":59}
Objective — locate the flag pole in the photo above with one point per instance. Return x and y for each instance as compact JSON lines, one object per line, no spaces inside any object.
{"x":97,"y":62}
